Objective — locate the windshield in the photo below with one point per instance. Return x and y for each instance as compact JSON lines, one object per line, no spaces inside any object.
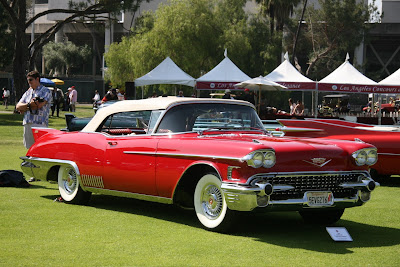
{"x":199,"y":117}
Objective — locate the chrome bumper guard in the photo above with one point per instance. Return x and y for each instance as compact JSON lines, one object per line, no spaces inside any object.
{"x":39,"y":167}
{"x":246,"y":197}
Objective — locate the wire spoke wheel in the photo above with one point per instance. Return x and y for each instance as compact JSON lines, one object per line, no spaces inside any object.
{"x":212,"y":201}
{"x":210,"y":205}
{"x":69,"y":187}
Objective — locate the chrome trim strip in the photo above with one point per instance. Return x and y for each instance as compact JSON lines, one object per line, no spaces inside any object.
{"x":319,"y":173}
{"x":282,"y":187}
{"x":389,"y":154}
{"x":182,"y":155}
{"x":117,"y":193}
{"x":140,"y":153}
{"x":229,"y":173}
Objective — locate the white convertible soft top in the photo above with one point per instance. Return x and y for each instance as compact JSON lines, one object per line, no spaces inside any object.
{"x":159,"y":103}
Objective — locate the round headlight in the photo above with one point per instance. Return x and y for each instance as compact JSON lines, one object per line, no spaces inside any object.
{"x":372,"y":157}
{"x":360,"y":157}
{"x":257,"y":160}
{"x":269,"y":159}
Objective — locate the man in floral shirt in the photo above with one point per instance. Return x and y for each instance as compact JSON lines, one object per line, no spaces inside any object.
{"x":35,"y":105}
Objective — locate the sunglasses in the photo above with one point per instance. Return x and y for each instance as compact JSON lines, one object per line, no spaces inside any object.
{"x":30,"y":79}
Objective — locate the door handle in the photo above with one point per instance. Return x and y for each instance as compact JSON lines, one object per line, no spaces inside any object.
{"x":113,"y":143}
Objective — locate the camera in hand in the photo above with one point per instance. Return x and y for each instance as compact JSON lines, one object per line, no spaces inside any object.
{"x":39,"y":99}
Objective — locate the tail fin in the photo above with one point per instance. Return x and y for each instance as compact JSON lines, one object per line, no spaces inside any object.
{"x":39,"y":132}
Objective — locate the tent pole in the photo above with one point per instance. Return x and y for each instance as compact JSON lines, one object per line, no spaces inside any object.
{"x":259,"y":101}
{"x":316,"y":101}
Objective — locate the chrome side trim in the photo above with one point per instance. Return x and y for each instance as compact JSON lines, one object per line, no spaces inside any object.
{"x":389,"y":154}
{"x":116,"y":193}
{"x":182,"y":155}
{"x":140,"y":153}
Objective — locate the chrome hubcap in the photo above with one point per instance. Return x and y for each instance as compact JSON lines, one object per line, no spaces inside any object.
{"x":70,"y":180}
{"x":211,"y":201}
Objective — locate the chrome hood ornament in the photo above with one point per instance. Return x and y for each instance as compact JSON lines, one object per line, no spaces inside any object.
{"x":320,"y":162}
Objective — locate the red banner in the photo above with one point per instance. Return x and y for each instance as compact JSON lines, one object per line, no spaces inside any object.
{"x":359,"y":88}
{"x":217,"y":86}
{"x":299,"y":85}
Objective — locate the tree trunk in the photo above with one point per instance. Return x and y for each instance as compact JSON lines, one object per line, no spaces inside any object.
{"x":20,"y":52}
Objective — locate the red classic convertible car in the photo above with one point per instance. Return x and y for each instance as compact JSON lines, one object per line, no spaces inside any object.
{"x":385,"y":138}
{"x":212,"y":155}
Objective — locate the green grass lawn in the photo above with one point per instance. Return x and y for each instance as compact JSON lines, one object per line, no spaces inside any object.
{"x":111,"y":231}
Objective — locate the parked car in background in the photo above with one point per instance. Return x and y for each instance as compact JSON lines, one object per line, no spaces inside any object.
{"x":211,"y":155}
{"x":334,"y":104}
{"x":387,"y":107}
{"x":385,"y":138}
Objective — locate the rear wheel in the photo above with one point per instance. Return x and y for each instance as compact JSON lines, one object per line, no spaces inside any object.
{"x":210,"y":205}
{"x":68,"y":185}
{"x":322,"y":216}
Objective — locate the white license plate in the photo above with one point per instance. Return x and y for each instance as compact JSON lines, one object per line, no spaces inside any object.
{"x":318,"y":199}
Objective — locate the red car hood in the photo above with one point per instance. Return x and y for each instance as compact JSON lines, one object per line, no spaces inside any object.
{"x":292,"y":154}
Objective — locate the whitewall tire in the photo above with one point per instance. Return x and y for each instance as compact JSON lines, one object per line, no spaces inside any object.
{"x":210,"y":205}
{"x":69,"y":187}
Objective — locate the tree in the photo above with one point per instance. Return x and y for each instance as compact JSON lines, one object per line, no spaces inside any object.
{"x":332,"y":30}
{"x":17,"y":13}
{"x":279,"y":11}
{"x":6,"y":41}
{"x":68,"y":55}
{"x":194,"y":33}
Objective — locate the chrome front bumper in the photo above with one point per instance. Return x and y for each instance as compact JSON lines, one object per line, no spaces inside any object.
{"x":248,"y":197}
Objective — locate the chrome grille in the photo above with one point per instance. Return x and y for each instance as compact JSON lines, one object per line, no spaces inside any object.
{"x":310,"y":182}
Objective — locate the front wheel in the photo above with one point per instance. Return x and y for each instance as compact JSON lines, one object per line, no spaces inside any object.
{"x":210,"y":205}
{"x":68,"y":185}
{"x":321,"y":216}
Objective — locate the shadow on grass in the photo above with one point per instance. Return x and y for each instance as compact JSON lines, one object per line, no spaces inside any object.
{"x":393,"y":181}
{"x":288,"y":230}
{"x":285,"y":229}
{"x":10,"y":119}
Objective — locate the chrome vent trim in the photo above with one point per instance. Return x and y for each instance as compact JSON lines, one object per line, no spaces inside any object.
{"x":92,"y":181}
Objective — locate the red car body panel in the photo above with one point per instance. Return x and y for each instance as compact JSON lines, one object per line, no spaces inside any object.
{"x":387,"y":142}
{"x":130,"y":164}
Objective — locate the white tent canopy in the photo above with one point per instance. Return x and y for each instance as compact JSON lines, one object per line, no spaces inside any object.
{"x":393,"y":79}
{"x":347,"y":79}
{"x":167,"y":72}
{"x":286,"y":74}
{"x":223,"y":76}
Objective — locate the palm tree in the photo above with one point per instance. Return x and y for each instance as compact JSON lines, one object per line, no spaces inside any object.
{"x":278,"y":10}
